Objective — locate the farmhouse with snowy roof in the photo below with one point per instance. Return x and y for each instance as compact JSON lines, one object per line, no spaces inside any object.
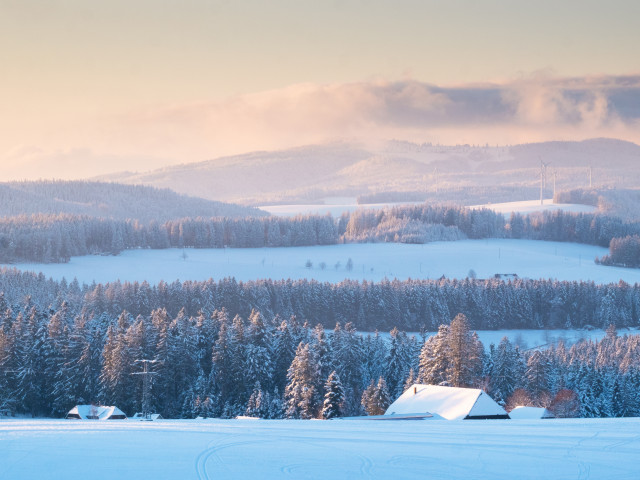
{"x":451,"y":403}
{"x":95,"y":412}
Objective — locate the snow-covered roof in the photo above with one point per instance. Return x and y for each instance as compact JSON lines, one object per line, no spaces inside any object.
{"x":529,"y":413}
{"x":407,"y":416}
{"x":96,"y":412}
{"x":151,"y":416}
{"x":451,"y":403}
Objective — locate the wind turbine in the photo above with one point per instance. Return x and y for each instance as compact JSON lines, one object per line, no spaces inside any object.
{"x":543,"y":178}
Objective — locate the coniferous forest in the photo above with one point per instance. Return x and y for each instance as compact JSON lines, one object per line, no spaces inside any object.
{"x":57,"y":237}
{"x":292,"y":349}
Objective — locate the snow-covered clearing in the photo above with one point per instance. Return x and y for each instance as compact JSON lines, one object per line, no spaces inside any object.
{"x":374,"y":262}
{"x":527,"y":339}
{"x":531,"y":206}
{"x":339,"y":449}
{"x":338,"y":206}
{"x":335,"y":206}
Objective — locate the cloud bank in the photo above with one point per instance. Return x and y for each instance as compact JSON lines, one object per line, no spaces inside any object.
{"x":531,"y":109}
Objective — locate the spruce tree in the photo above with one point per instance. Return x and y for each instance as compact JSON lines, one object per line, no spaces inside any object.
{"x":375,"y":399}
{"x":301,"y":393}
{"x":435,"y":358}
{"x":333,"y":398}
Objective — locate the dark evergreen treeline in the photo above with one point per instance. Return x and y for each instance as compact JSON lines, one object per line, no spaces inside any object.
{"x":55,"y":238}
{"x":411,"y":305}
{"x":581,"y":196}
{"x":217,"y":365}
{"x":624,"y":252}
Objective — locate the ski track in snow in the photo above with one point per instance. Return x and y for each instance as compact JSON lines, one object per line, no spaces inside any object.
{"x":212,"y":452}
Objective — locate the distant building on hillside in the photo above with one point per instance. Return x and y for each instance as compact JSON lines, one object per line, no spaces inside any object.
{"x":95,"y":412}
{"x":506,"y":276}
{"x":450,"y":403}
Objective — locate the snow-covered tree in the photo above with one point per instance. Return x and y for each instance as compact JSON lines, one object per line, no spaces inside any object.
{"x":333,"y":398}
{"x":302,"y":392}
{"x":375,"y":399}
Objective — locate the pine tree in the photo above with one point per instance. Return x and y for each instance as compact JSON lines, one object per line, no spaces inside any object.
{"x":333,"y":398}
{"x":257,"y":406}
{"x":375,"y":399}
{"x":257,"y":353}
{"x":506,"y":376}
{"x":411,"y":380}
{"x":465,"y":354}
{"x":399,"y":361}
{"x":301,"y":393}
{"x":537,"y":376}
{"x":375,"y":350}
{"x":435,"y":358}
{"x":346,"y":346}
{"x":276,"y":409}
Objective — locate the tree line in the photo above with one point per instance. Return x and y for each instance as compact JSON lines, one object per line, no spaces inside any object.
{"x":411,"y":305}
{"x":221,"y":366}
{"x":623,"y":252}
{"x":55,"y":238}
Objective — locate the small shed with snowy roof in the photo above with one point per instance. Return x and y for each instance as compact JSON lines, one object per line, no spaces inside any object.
{"x":451,"y":403}
{"x":95,"y":412}
{"x":529,"y":413}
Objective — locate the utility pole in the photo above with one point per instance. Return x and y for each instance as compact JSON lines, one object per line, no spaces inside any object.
{"x":146,"y":387}
{"x":590,"y":176}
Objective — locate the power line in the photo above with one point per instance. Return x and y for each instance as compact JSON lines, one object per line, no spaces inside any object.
{"x":146,"y":387}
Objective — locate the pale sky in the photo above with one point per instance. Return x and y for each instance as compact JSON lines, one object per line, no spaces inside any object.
{"x":88,"y":87}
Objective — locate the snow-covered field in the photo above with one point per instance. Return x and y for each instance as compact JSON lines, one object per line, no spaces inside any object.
{"x":531,"y":206}
{"x":526,"y":339}
{"x":527,"y":258}
{"x":337,"y":206}
{"x":339,"y":449}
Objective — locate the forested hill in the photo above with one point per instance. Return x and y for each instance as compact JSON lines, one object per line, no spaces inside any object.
{"x":110,"y":200}
{"x":463,"y":174}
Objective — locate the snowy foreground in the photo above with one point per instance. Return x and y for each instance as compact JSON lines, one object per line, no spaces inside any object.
{"x":231,"y":449}
{"x":371,"y":261}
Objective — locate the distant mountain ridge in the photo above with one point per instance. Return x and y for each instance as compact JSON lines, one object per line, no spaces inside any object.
{"x":311,"y":173}
{"x":110,"y":200}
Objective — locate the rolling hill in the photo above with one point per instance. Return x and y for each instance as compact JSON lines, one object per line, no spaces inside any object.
{"x":463,"y":172}
{"x":110,"y":200}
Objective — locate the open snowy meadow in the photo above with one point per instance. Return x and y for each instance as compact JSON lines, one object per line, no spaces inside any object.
{"x":336,"y":206}
{"x":532,"y":206}
{"x":232,"y":449}
{"x":371,"y":261}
